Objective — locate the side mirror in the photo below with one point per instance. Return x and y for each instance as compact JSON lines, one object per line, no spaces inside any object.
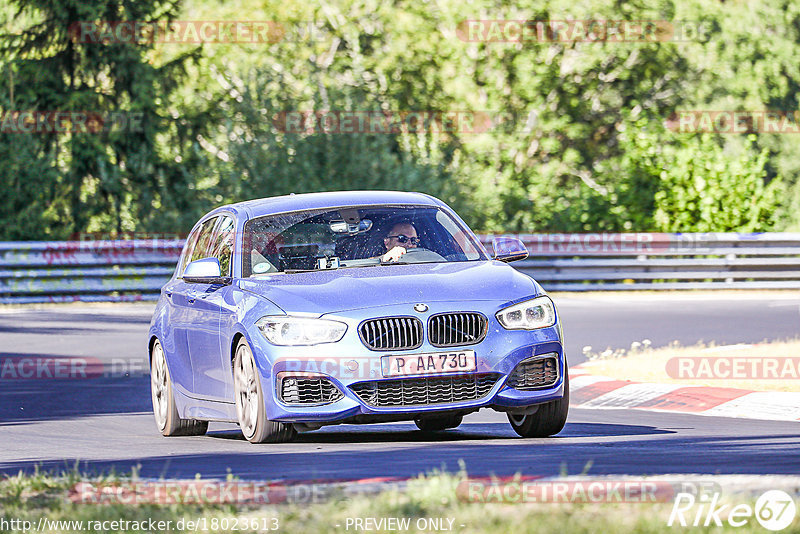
{"x":205,"y":271}
{"x":507,"y":249}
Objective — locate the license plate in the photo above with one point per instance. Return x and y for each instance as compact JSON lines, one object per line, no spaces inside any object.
{"x":426,"y":364}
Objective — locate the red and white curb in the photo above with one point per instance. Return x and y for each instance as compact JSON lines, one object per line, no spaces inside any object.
{"x":591,"y":391}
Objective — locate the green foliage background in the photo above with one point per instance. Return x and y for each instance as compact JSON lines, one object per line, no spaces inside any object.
{"x":587,"y":148}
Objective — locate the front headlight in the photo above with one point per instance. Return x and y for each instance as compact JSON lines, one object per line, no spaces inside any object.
{"x":286,"y":330}
{"x":528,"y":315}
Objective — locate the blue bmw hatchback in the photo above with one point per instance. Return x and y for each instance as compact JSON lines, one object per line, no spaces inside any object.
{"x":289,"y":313}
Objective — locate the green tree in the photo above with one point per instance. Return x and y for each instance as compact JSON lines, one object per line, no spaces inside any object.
{"x":583,"y":148}
{"x":106,"y":180}
{"x":706,"y":188}
{"x":264,"y":157}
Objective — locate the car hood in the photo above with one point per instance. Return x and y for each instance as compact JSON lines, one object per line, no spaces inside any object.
{"x":338,"y":290}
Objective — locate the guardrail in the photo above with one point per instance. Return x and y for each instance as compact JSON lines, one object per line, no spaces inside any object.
{"x":636,"y":261}
{"x":90,"y":271}
{"x":131,"y":270}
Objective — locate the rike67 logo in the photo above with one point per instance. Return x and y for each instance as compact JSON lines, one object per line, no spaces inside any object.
{"x":774,"y":510}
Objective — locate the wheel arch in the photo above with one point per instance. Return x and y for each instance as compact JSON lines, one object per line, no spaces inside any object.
{"x":150,"y":345}
{"x":237,"y":337}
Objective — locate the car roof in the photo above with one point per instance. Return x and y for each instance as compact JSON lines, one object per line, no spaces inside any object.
{"x":333,"y":199}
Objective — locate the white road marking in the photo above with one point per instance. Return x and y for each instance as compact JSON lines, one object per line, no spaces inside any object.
{"x":630,"y":396}
{"x":772,"y":405}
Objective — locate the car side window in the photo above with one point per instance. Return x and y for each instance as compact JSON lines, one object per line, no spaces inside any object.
{"x":223,"y":244}
{"x":203,"y":247}
{"x":191,"y":241}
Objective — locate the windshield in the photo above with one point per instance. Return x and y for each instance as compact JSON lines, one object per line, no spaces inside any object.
{"x":354,"y":237}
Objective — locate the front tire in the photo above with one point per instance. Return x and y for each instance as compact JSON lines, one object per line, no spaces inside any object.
{"x":435,"y":423}
{"x":165,"y":411}
{"x":250,"y":409}
{"x":547,"y":421}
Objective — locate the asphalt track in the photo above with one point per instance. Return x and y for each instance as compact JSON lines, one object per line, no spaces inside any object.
{"x":105,"y":423}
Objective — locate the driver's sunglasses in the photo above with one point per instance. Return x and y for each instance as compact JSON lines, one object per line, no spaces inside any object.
{"x":404,"y":238}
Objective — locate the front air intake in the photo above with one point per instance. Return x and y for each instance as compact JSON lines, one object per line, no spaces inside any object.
{"x":534,"y":373}
{"x":424,"y":391}
{"x":300,"y":390}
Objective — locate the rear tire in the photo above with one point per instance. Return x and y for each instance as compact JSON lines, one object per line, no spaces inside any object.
{"x":435,"y":423}
{"x":250,"y":409}
{"x":165,"y":410}
{"x":547,"y":421}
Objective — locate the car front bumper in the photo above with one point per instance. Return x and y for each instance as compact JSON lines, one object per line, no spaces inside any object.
{"x":348,"y":363}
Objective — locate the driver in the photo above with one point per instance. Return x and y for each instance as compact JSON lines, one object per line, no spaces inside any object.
{"x":400,"y":238}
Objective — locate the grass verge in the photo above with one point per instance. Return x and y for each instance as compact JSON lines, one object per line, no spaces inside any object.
{"x":427,"y":504}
